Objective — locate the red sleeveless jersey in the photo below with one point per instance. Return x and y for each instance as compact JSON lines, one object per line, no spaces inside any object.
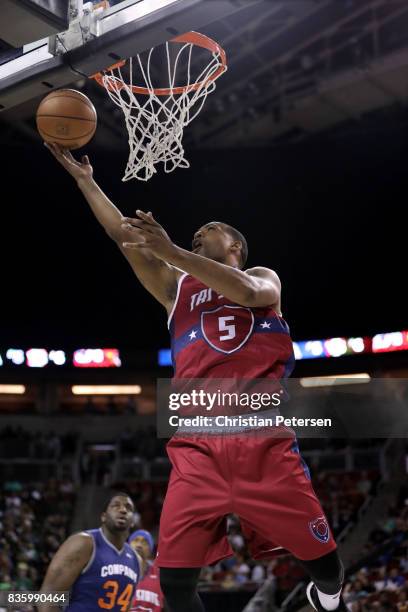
{"x":148,"y":595}
{"x":211,"y":337}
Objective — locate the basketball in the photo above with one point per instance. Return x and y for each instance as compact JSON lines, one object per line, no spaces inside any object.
{"x":66,"y":117}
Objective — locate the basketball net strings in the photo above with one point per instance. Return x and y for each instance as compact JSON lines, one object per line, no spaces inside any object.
{"x":156,"y":127}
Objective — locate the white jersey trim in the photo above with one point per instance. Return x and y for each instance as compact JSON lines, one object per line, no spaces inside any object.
{"x":92,"y":557}
{"x":119,"y":552}
{"x":180,"y":280}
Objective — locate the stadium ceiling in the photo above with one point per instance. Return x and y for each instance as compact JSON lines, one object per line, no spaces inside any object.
{"x":295,"y":68}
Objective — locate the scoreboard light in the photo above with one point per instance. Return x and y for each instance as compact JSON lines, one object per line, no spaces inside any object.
{"x":16,"y":356}
{"x":387,"y":343}
{"x":12,"y":389}
{"x":335,"y":347}
{"x":356,"y":345}
{"x":165,"y":357}
{"x":82,"y":358}
{"x":106,"y":389}
{"x":339,"y":379}
{"x":296,"y":350}
{"x":311,"y":349}
{"x":97,"y":358}
{"x":37,"y":358}
{"x":57,"y":357}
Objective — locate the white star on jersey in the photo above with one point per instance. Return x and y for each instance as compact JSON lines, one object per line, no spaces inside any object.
{"x":193,"y":334}
{"x":265,"y":324}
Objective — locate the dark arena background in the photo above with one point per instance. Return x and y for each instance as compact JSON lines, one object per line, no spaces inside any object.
{"x":304,"y":148}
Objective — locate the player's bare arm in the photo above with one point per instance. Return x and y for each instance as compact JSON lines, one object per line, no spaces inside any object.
{"x":65,"y":567}
{"x":256,"y":287}
{"x":267,"y":278}
{"x":158,"y":277}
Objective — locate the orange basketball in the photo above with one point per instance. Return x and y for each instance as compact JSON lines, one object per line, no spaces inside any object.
{"x":67,"y":117}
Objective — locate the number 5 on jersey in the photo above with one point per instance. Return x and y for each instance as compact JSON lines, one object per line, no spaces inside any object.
{"x":223,"y":326}
{"x":227,"y":328}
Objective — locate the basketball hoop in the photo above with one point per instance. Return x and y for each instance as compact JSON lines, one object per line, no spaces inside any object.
{"x":156,"y":117}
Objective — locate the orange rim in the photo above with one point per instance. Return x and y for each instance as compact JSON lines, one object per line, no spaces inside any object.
{"x":195,"y":38}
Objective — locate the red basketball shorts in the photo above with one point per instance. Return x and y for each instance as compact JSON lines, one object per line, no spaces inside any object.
{"x":261,"y":479}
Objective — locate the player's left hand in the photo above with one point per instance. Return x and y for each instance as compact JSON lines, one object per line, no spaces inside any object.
{"x":148,"y":234}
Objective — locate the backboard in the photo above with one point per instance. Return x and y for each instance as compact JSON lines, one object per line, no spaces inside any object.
{"x":99,"y":34}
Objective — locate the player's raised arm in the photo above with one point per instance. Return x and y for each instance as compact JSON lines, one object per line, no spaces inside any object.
{"x":67,"y":564}
{"x":267,"y":286}
{"x":256,"y":287}
{"x":158,"y":277}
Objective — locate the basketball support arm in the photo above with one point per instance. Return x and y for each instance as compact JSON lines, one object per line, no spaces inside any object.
{"x":97,"y":39}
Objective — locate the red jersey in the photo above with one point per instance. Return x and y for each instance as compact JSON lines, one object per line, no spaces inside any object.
{"x":148,"y":595}
{"x":211,"y":337}
{"x":253,"y":476}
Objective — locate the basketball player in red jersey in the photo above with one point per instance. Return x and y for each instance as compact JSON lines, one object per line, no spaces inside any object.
{"x":224,"y":323}
{"x":148,"y":596}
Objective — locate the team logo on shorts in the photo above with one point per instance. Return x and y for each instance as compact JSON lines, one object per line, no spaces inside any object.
{"x":227,"y":328}
{"x":320,"y":529}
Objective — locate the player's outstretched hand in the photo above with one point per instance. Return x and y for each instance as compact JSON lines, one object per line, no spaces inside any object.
{"x":78,"y":170}
{"x":147,"y":233}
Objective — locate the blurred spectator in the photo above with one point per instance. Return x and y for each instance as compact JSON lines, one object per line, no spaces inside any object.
{"x":5,"y":582}
{"x":241,"y":569}
{"x":364,"y":485}
{"x":235,"y":536}
{"x":402,"y":601}
{"x":34,"y":520}
{"x":381,"y":586}
{"x":16,"y":443}
{"x":258,"y":573}
{"x":228,"y":582}
{"x":53,"y":444}
{"x":22,"y":581}
{"x":354,"y":590}
{"x":389,"y":581}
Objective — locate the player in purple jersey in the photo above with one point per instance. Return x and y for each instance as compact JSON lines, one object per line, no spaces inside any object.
{"x":98,"y":567}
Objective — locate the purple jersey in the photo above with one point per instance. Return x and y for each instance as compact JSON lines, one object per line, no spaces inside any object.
{"x":108,"y":581}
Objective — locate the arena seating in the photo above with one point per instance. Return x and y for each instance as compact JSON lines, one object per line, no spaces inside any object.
{"x":31,"y":530}
{"x":34,"y":520}
{"x":381,"y":585}
{"x":342,"y":494}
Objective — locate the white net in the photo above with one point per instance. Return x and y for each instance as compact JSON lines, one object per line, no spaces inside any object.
{"x":156,"y":118}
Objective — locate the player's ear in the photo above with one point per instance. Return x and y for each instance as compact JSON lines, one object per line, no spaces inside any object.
{"x":103,"y":517}
{"x":236,"y":246}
